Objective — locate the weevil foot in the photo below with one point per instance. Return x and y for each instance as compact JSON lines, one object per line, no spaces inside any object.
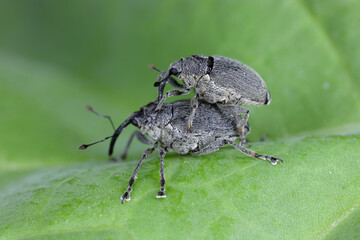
{"x":125,"y":196}
{"x":161,"y":194}
{"x":273,"y":160}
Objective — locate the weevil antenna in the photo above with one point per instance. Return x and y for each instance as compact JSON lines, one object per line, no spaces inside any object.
{"x":85,"y":146}
{"x":101,"y":115}
{"x":154,"y":68}
{"x":160,"y":80}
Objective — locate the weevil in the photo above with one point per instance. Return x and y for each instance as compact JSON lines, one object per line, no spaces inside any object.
{"x":216,"y":79}
{"x":167,"y":130}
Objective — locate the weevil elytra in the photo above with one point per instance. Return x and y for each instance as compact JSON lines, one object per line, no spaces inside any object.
{"x":166,"y":129}
{"x":216,"y":79}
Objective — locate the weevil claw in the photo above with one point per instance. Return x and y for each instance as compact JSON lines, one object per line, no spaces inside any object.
{"x":125,"y":196}
{"x":275,"y":160}
{"x":161,"y":195}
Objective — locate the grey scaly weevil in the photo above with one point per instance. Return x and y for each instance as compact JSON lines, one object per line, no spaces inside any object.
{"x":167,"y":130}
{"x":216,"y":79}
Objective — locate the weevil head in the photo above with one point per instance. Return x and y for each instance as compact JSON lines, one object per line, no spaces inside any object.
{"x":190,"y":69}
{"x":148,"y":116}
{"x":152,"y":121}
{"x":145,"y":115}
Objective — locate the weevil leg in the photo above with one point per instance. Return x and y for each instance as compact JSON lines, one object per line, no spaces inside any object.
{"x":142,"y":138}
{"x":173,"y":92}
{"x":242,"y":137}
{"x":161,"y":193}
{"x":237,"y":111}
{"x":146,"y":153}
{"x":273,"y":160}
{"x":243,"y":142}
{"x":194,"y":102}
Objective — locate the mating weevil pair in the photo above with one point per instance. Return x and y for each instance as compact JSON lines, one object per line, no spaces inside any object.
{"x":203,"y":124}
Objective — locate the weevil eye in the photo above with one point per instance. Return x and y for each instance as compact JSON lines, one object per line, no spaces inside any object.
{"x":173,"y":71}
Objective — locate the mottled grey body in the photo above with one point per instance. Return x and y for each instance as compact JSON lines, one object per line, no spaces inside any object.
{"x":215,"y":79}
{"x":167,"y":128}
{"x":221,"y":80}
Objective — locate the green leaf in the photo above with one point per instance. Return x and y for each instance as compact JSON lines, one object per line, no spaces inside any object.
{"x":223,"y":195}
{"x":58,"y":56}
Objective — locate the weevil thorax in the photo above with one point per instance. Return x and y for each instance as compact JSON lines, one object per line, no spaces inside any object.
{"x":190,"y":69}
{"x":151,"y":122}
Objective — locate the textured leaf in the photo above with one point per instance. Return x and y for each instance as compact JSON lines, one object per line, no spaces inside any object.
{"x":223,"y":195}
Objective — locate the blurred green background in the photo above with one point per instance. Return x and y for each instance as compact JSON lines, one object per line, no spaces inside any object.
{"x":58,"y":56}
